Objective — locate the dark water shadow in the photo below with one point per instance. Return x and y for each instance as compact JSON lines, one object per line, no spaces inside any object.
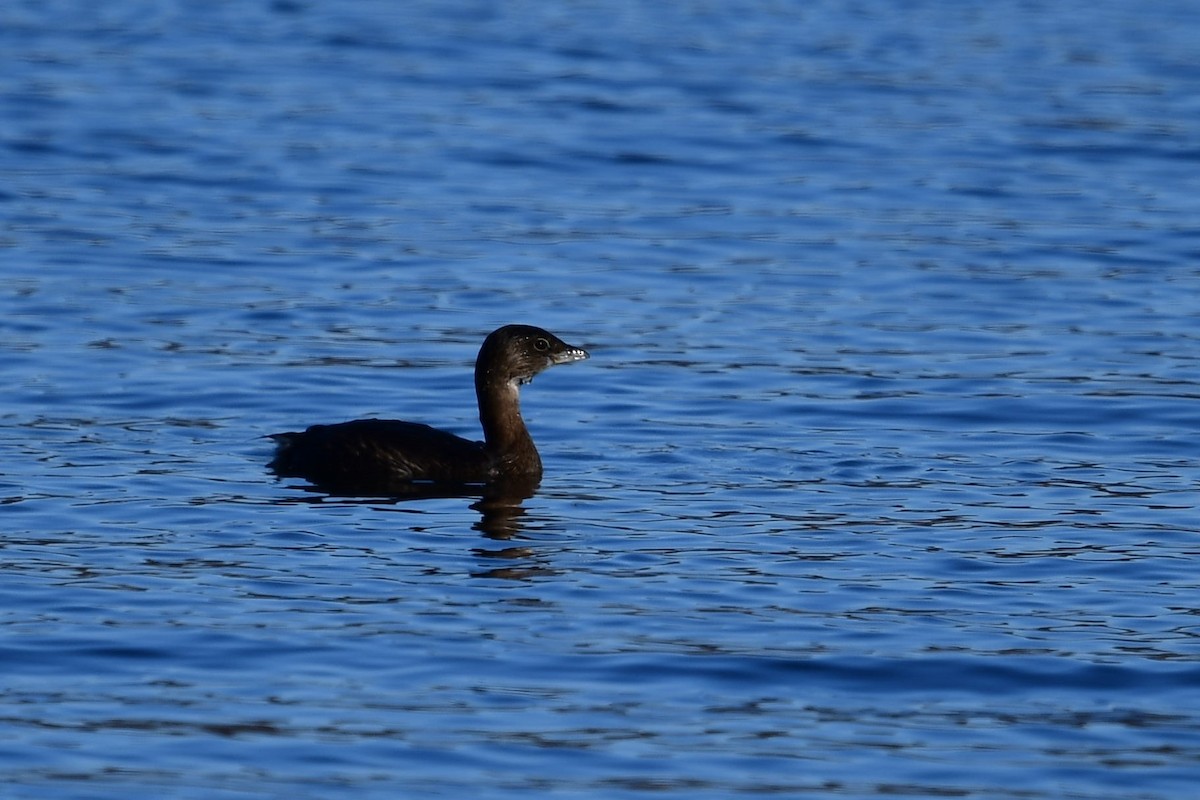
{"x":500,"y":504}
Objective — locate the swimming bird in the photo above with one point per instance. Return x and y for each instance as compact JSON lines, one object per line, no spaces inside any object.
{"x":383,"y":456}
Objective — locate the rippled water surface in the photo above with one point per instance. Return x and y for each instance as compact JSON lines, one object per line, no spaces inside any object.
{"x":881,"y":480}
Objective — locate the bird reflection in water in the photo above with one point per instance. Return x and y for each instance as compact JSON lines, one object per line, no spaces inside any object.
{"x":501,"y":508}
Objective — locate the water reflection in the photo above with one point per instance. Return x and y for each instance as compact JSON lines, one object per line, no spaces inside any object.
{"x":500,"y":504}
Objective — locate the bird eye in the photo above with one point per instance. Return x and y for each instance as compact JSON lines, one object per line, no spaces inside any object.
{"x":541,"y":345}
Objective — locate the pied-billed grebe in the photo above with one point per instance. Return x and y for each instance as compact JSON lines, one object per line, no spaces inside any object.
{"x":379,"y":456}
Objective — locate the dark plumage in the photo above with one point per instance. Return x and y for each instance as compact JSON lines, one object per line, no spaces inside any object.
{"x":381,"y":456}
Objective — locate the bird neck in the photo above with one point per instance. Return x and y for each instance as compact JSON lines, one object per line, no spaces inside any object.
{"x":504,"y":433}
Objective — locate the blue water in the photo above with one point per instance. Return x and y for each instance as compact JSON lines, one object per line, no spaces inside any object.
{"x":881,"y":480}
